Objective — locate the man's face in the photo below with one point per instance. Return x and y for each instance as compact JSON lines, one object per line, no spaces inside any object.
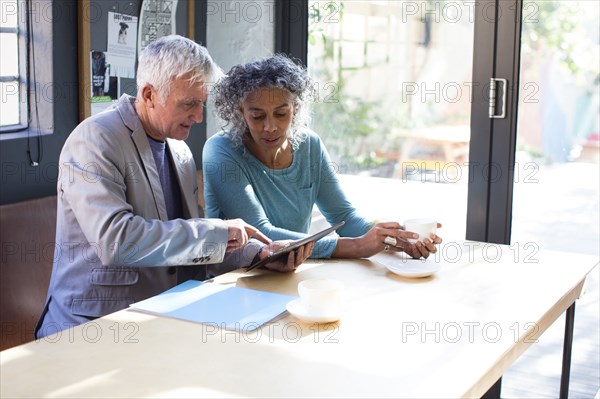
{"x":174,"y":117}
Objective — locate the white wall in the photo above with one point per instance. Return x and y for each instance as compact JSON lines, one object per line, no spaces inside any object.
{"x":238,"y":32}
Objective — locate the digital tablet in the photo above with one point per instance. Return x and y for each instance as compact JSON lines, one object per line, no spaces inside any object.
{"x":293,"y":246}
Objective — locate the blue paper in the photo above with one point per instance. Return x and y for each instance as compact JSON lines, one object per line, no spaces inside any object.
{"x":228,"y":307}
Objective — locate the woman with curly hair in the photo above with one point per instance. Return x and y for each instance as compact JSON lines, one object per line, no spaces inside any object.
{"x":269,"y":169}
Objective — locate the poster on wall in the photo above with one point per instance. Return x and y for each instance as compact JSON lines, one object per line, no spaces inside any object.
{"x":157,"y":19}
{"x":121,"y":44}
{"x":104,"y":87}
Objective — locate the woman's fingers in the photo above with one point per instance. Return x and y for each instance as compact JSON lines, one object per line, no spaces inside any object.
{"x":294,"y":259}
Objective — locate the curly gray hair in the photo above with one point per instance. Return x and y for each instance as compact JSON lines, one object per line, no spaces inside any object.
{"x":277,"y":71}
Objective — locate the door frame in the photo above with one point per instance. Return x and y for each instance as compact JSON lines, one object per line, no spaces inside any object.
{"x":493,"y":140}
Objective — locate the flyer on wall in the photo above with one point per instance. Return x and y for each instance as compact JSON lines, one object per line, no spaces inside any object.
{"x":122,"y":44}
{"x":157,"y":19}
{"x":104,"y":87}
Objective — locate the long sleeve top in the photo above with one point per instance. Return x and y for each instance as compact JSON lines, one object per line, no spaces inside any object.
{"x":279,"y":202}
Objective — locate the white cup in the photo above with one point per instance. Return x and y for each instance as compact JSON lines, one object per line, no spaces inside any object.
{"x":424,"y":227}
{"x":321,"y":295}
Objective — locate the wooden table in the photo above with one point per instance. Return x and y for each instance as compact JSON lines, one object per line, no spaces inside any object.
{"x":452,"y":143}
{"x":449,"y":335}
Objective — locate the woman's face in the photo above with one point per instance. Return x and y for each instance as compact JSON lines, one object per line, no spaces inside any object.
{"x":268,"y":112}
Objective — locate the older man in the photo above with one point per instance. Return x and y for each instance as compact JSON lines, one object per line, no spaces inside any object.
{"x":127,"y":217}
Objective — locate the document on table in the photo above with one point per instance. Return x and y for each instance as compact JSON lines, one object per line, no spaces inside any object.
{"x":231,"y":308}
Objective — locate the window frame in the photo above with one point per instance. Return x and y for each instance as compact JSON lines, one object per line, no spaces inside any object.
{"x":22,"y":32}
{"x":291,"y":28}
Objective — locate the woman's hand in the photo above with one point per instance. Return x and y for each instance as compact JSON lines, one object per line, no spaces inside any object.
{"x":374,"y":241}
{"x":424,"y":248}
{"x":371,"y":242}
{"x":293,"y":260}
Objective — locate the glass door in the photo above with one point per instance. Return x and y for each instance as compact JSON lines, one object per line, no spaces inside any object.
{"x":395,"y":87}
{"x":529,"y":176}
{"x":556,"y":195}
{"x":556,"y":192}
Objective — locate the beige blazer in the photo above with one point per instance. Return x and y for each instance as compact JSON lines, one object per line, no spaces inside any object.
{"x":114,"y":245}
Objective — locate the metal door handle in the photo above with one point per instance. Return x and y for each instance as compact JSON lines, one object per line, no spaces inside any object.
{"x":492,"y":103}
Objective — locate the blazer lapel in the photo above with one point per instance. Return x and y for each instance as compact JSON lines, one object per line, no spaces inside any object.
{"x":185,"y":177}
{"x":185,"y":172}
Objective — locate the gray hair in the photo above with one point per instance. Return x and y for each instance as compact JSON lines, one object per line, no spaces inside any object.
{"x":172,"y":57}
{"x":276,"y":71}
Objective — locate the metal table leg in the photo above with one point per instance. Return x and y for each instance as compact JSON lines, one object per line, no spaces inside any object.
{"x":567,"y":347}
{"x":494,"y":391}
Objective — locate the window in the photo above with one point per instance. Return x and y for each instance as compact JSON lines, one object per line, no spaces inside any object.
{"x":394,"y":81}
{"x":13,"y":66}
{"x":27,"y":89}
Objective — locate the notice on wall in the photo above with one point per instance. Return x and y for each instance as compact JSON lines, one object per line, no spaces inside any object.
{"x":104,"y":87}
{"x":157,"y":19}
{"x":121,"y":44}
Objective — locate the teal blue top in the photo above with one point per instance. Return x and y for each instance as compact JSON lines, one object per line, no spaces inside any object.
{"x":279,"y":202}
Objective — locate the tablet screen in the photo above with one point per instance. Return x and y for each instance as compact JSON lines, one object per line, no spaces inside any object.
{"x":293,"y":246}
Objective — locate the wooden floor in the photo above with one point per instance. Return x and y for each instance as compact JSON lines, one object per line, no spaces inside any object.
{"x":537,"y":373}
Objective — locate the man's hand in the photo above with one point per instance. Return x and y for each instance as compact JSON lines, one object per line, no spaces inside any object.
{"x":239,"y":232}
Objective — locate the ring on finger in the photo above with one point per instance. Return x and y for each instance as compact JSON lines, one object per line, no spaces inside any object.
{"x":391,"y":241}
{"x":386,"y":248}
